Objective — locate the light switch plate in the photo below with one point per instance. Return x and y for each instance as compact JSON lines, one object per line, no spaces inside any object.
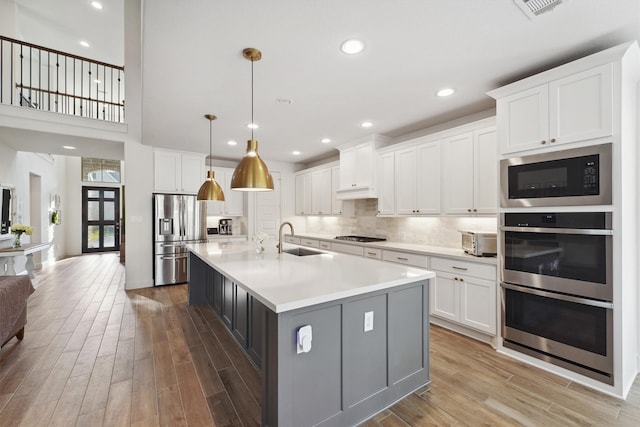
{"x":368,"y":321}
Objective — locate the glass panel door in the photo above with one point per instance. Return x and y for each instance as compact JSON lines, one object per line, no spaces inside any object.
{"x":100,"y":219}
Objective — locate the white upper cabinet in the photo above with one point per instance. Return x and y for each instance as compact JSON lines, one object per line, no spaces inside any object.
{"x":358,"y":164}
{"x":303,"y":194}
{"x":417,"y":179}
{"x":178,"y":172}
{"x":574,"y":108}
{"x":336,"y":204}
{"x":321,"y":192}
{"x":470,"y":173}
{"x":386,"y":180}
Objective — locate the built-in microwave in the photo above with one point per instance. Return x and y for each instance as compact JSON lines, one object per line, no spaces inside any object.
{"x":575,"y":177}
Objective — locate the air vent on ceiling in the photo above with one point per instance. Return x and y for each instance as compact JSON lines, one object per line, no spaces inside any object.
{"x":533,"y":8}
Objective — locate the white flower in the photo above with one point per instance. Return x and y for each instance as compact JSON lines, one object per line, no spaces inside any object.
{"x":260,"y":236}
{"x":21,"y":228}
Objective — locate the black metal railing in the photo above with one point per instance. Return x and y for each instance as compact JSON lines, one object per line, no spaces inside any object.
{"x":47,"y":79}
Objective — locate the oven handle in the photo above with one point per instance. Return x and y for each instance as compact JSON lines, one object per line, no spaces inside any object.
{"x":568,"y":298}
{"x":582,"y":231}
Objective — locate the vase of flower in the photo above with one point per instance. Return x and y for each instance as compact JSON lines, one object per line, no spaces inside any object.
{"x":19,"y":230}
{"x":259,"y":239}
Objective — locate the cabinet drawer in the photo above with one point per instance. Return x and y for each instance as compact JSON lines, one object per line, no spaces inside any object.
{"x":347,"y":249}
{"x":373,"y":253}
{"x":415,"y":260}
{"x":310,"y":242}
{"x":292,"y":239}
{"x":325,"y":245}
{"x":482,"y":271}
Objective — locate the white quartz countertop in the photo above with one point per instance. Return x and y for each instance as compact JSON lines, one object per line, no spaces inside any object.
{"x":407,"y":247}
{"x":285,"y":282}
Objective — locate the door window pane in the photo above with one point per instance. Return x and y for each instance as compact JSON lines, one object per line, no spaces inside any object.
{"x":93,"y":210}
{"x":93,"y":194}
{"x":109,"y":194}
{"x":93,"y":236}
{"x":109,"y":211}
{"x":109,"y":236}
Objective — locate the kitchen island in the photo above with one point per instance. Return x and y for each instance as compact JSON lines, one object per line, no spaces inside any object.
{"x":337,"y":337}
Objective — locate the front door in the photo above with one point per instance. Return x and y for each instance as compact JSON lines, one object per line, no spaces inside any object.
{"x":100,"y":219}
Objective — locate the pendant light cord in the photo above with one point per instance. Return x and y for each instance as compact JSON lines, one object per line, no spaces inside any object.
{"x":210,"y":142}
{"x":253,"y":124}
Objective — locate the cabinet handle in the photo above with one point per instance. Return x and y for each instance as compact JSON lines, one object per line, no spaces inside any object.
{"x":475,"y":210}
{"x":455,"y":278}
{"x":553,"y":140}
{"x":418,"y":210}
{"x":468,"y":210}
{"x":371,"y":253}
{"x":459,"y":268}
{"x":543,"y":142}
{"x":402,"y":259}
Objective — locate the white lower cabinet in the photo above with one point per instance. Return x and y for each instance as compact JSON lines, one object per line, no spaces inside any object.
{"x":465,"y":292}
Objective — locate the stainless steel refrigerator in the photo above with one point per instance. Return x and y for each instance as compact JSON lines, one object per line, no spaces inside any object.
{"x":178,"y":219}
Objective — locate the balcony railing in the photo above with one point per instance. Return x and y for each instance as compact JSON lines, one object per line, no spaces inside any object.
{"x":46,"y":79}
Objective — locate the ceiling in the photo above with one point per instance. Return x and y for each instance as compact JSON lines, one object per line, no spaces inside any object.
{"x":193,"y":64}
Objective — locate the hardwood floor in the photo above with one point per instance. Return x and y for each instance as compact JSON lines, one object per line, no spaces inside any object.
{"x":95,"y":355}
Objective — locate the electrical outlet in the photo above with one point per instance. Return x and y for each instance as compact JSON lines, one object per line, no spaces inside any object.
{"x":368,"y":321}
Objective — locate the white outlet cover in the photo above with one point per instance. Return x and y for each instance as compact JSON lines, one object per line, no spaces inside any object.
{"x":368,"y":321}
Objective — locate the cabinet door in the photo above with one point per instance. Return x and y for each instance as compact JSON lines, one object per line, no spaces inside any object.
{"x":386,"y":184}
{"x":233,"y":200}
{"x":364,"y":172}
{"x":445,"y":297}
{"x":321,"y":192}
{"x":241,"y":315}
{"x":485,"y":177}
{"x":192,"y":173}
{"x":427,"y":168}
{"x":218,"y":283}
{"x":166,"y":171}
{"x":336,"y":204}
{"x":303,"y":194}
{"x":257,"y":322}
{"x":405,"y":181}
{"x":348,"y":167}
{"x":457,"y":161}
{"x":227,"y":302}
{"x":523,"y":120}
{"x":478,"y":303}
{"x":581,"y":105}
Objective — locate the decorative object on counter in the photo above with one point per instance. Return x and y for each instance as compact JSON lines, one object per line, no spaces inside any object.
{"x":18,"y":230}
{"x":259,"y":238}
{"x":210,"y":189}
{"x":252,"y":173}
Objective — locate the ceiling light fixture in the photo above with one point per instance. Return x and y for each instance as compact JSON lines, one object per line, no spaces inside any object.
{"x":68,"y":147}
{"x":232,"y":143}
{"x":295,"y":153}
{"x":253,"y":126}
{"x":84,"y":43}
{"x":445,"y":92}
{"x":352,"y":46}
{"x":325,"y":140}
{"x":252,"y":173}
{"x":210,"y":189}
{"x":97,"y":5}
{"x":366,"y":124}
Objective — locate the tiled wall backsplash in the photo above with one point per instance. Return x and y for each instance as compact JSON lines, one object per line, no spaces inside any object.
{"x":436,"y":231}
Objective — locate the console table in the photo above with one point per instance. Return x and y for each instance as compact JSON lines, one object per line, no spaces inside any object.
{"x":7,"y":257}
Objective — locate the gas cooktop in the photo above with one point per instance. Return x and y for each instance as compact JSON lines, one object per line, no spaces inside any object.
{"x":363,"y":239}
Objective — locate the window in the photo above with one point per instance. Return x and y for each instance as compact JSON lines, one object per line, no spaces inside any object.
{"x":100,"y":170}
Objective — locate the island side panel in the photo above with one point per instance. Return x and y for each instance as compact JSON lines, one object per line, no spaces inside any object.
{"x":349,"y":375}
{"x":198,"y":274}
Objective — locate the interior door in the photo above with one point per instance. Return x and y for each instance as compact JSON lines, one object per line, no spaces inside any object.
{"x":100,"y":219}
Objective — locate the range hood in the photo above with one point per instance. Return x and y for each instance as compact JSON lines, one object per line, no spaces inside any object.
{"x":358,"y":168}
{"x":369,"y":192}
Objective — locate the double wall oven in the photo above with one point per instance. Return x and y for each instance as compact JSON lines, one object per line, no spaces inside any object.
{"x":557,"y":278}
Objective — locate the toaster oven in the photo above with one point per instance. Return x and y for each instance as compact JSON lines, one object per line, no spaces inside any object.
{"x":479,"y":243}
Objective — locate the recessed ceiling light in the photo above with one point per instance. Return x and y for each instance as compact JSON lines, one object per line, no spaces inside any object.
{"x":366,"y":124}
{"x":445,"y":92}
{"x":295,"y":153}
{"x":232,"y":143}
{"x":325,"y":140}
{"x":96,"y":81}
{"x":253,"y":126}
{"x":284,"y":101}
{"x":84,"y":43}
{"x":352,"y":46}
{"x":68,"y":147}
{"x":97,"y":5}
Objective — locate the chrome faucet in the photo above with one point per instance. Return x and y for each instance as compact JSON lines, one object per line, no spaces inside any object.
{"x":280,"y":234}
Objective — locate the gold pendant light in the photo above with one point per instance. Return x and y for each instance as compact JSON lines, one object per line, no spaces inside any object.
{"x":210,"y":189}
{"x":252,"y":174}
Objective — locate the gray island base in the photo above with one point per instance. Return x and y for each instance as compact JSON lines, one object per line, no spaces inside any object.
{"x":333,"y":350}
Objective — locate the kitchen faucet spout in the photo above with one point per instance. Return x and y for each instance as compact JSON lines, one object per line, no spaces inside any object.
{"x":280,"y":234}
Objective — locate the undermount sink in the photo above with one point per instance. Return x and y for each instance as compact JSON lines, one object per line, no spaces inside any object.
{"x":302,"y":252}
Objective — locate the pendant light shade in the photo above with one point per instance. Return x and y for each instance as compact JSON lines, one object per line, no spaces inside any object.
{"x":210,"y":189}
{"x":252,"y":173}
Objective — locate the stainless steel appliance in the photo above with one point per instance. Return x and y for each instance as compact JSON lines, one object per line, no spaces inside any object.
{"x":557,"y":289}
{"x":225,"y":226}
{"x":361,"y":239}
{"x":479,"y":243}
{"x":576,"y":177}
{"x":178,"y":220}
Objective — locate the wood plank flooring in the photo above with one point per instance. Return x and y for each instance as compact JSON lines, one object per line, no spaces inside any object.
{"x":96,"y":355}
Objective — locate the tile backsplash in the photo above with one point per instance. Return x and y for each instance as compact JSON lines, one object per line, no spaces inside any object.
{"x":436,"y":231}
